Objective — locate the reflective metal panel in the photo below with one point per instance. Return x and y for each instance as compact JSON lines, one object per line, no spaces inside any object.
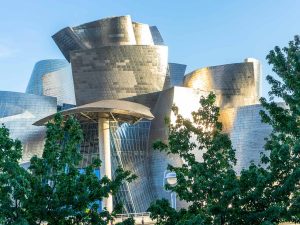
{"x":116,"y":72}
{"x":247,"y":133}
{"x":156,"y":36}
{"x":237,"y":83}
{"x":60,"y":84}
{"x":18,"y":111}
{"x":129,"y":144}
{"x":53,"y":77}
{"x":35,"y":84}
{"x":177,"y":72}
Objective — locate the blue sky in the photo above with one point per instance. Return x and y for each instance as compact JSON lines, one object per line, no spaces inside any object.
{"x":199,"y":33}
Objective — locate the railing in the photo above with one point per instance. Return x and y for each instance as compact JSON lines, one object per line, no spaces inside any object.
{"x":140,"y":218}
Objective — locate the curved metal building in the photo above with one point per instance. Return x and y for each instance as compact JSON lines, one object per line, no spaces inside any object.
{"x":247,"y":133}
{"x":177,"y":72}
{"x":60,"y":84}
{"x":116,"y":72}
{"x":129,"y":144}
{"x":120,"y":77}
{"x":53,"y":77}
{"x":113,"y":58}
{"x":18,"y":111}
{"x":113,"y":134}
{"x":35,"y":84}
{"x":237,"y":84}
{"x":157,"y":38}
{"x":242,"y":124}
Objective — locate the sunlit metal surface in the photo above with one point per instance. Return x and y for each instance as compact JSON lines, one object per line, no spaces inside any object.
{"x":18,"y":111}
{"x":53,"y":77}
{"x":60,"y":84}
{"x":177,"y":72}
{"x":114,"y":109}
{"x":120,"y":68}
{"x":247,"y":133}
{"x":114,"y":58}
{"x":237,"y":84}
{"x":129,"y":144}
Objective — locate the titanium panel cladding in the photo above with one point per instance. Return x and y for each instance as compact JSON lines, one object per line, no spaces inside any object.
{"x":60,"y":84}
{"x":53,"y":77}
{"x":247,"y":133}
{"x":18,"y":111}
{"x":177,"y":72}
{"x":114,"y":58}
{"x":129,"y":144}
{"x":156,"y":36}
{"x":187,"y":101}
{"x":112,"y":31}
{"x":116,"y":72}
{"x":105,"y":32}
{"x":35,"y":84}
{"x":142,"y":34}
{"x":237,"y":83}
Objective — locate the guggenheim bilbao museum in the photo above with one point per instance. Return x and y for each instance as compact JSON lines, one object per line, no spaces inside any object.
{"x":117,"y":81}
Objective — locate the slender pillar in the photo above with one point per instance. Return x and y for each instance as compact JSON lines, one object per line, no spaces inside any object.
{"x":105,"y":156}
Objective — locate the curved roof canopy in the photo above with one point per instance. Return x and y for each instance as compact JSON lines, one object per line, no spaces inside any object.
{"x":118,"y":110}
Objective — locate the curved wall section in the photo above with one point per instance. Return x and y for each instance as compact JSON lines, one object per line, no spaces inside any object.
{"x":129,"y":144}
{"x":60,"y":84}
{"x":237,"y":84}
{"x":67,"y":41}
{"x":113,"y":31}
{"x":142,"y":34}
{"x":106,"y":32}
{"x":18,"y":111}
{"x":116,"y":72}
{"x":156,"y":36}
{"x":35,"y":84}
{"x":187,"y":100}
{"x":53,"y":77}
{"x":247,"y":133}
{"x":177,"y":72}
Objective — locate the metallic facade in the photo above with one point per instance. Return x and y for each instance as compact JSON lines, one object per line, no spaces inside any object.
{"x":115,"y":132}
{"x":113,"y":31}
{"x":18,"y":111}
{"x":237,"y":83}
{"x":177,"y":72}
{"x":157,"y":38}
{"x":98,"y":74}
{"x":60,"y":84}
{"x":116,"y":63}
{"x":243,"y":124}
{"x":187,"y":100}
{"x":35,"y":84}
{"x":53,"y":77}
{"x":130,"y":151}
{"x":115,"y":58}
{"x":247,"y":133}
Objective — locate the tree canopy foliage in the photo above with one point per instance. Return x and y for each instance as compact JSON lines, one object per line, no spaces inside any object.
{"x":54,"y":190}
{"x":262,"y":194}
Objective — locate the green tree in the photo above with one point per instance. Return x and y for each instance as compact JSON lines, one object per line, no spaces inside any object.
{"x":263,"y":194}
{"x":284,"y":143}
{"x":14,"y":181}
{"x":209,"y":186}
{"x":56,"y":191}
{"x":270,"y":194}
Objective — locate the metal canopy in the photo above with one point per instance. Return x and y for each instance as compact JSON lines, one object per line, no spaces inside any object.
{"x":118,"y":110}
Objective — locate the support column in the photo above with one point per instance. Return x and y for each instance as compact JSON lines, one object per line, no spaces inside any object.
{"x":105,"y":156}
